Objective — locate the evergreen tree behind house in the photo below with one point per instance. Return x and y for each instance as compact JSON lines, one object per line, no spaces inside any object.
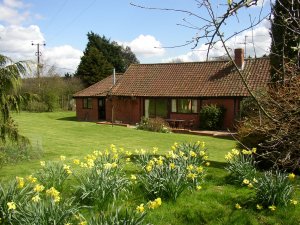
{"x":100,"y":57}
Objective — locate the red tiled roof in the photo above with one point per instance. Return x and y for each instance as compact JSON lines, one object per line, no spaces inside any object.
{"x":196,"y":79}
{"x":100,"y":88}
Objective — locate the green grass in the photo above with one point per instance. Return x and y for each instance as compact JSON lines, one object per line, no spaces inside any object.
{"x":60,"y":134}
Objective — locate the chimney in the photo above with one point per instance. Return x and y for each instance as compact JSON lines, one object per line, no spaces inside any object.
{"x":239,"y":57}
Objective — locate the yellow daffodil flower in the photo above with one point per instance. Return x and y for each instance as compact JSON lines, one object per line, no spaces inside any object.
{"x":11,"y":205}
{"x":237,"y":206}
{"x":62,"y":158}
{"x":38,"y":188}
{"x":43,"y":163}
{"x":246,"y":181}
{"x":294,"y":202}
{"x":36,"y":198}
{"x":292,"y":176}
{"x":272,"y":207}
{"x":259,"y":207}
{"x":140,"y":208}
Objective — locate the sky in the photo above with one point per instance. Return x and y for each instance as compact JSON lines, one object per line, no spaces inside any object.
{"x":150,"y":33}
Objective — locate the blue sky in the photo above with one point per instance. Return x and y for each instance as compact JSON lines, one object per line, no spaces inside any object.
{"x":63,"y":25}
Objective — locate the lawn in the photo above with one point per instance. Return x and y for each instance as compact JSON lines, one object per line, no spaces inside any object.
{"x":60,"y":134}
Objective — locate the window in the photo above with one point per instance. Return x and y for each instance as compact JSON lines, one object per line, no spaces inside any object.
{"x":156,"y":108}
{"x":184,"y":105}
{"x":87,"y":103}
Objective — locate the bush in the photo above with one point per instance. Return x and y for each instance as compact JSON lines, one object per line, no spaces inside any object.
{"x":211,"y":117}
{"x":36,"y":106}
{"x":241,"y":165}
{"x":154,"y":124}
{"x":103,"y":180}
{"x":276,"y":136}
{"x":53,"y":174}
{"x":169,"y":176}
{"x":274,"y":188}
{"x":14,"y":152}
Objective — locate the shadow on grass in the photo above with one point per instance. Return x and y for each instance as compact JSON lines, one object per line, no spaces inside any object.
{"x":69,"y":118}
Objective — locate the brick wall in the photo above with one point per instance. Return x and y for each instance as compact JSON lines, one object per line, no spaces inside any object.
{"x":86,"y":114}
{"x":125,"y":109}
{"x":231,"y":106}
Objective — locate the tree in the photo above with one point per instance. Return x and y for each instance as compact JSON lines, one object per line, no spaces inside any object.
{"x":93,"y":66}
{"x":285,"y":38}
{"x":10,"y":79}
{"x":100,"y":57}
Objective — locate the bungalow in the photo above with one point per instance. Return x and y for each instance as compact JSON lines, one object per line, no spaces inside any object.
{"x":174,"y":91}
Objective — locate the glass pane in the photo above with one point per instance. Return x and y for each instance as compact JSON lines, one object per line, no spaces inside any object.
{"x":184,"y":105}
{"x":195,"y":106}
{"x":151,"y":107}
{"x":89,"y":102}
{"x":162,"y":108}
{"x":174,"y":105}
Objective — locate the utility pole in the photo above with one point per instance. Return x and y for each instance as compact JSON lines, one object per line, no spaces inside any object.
{"x":38,"y":54}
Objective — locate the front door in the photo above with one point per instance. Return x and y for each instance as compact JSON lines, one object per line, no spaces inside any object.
{"x":101,"y":109}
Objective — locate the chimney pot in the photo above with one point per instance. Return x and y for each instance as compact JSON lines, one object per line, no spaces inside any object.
{"x":239,"y":57}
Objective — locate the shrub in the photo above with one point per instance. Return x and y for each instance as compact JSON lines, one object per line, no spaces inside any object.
{"x":154,"y":124}
{"x":211,"y":117}
{"x":16,"y":152}
{"x":274,"y":188}
{"x":103,"y":180}
{"x":169,"y":176}
{"x":36,"y":106}
{"x":276,"y":136}
{"x":53,"y":174}
{"x":241,"y":165}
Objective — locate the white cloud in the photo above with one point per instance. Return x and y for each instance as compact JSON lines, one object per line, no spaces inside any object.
{"x":15,"y":42}
{"x":13,"y":12}
{"x":64,"y":58}
{"x":257,"y":44}
{"x":145,"y":46}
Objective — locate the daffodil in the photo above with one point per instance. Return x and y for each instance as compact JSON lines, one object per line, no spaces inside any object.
{"x":43,"y":163}
{"x":202,"y":153}
{"x":149,"y":168}
{"x":38,"y":188}
{"x":155,"y":150}
{"x":133,"y":177}
{"x":76,"y":161}
{"x":259,"y":207}
{"x":62,"y":158}
{"x":172,"y":165}
{"x":83,"y":223}
{"x":246,"y":181}
{"x":52,"y":192}
{"x":193,"y":154}
{"x":207,"y":164}
{"x":254,"y":150}
{"x":292,"y":176}
{"x":237,"y":206}
{"x":246,"y":152}
{"x":250,"y":185}
{"x":11,"y":205}
{"x":140,"y":208}
{"x":229,"y":156}
{"x":198,"y":187}
{"x":190,"y":167}
{"x":294,"y":202}
{"x":128,"y":159}
{"x":31,"y":179}
{"x":36,"y":198}
{"x":272,"y":207}
{"x":20,"y":182}
{"x":235,"y":151}
{"x":254,"y":180}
